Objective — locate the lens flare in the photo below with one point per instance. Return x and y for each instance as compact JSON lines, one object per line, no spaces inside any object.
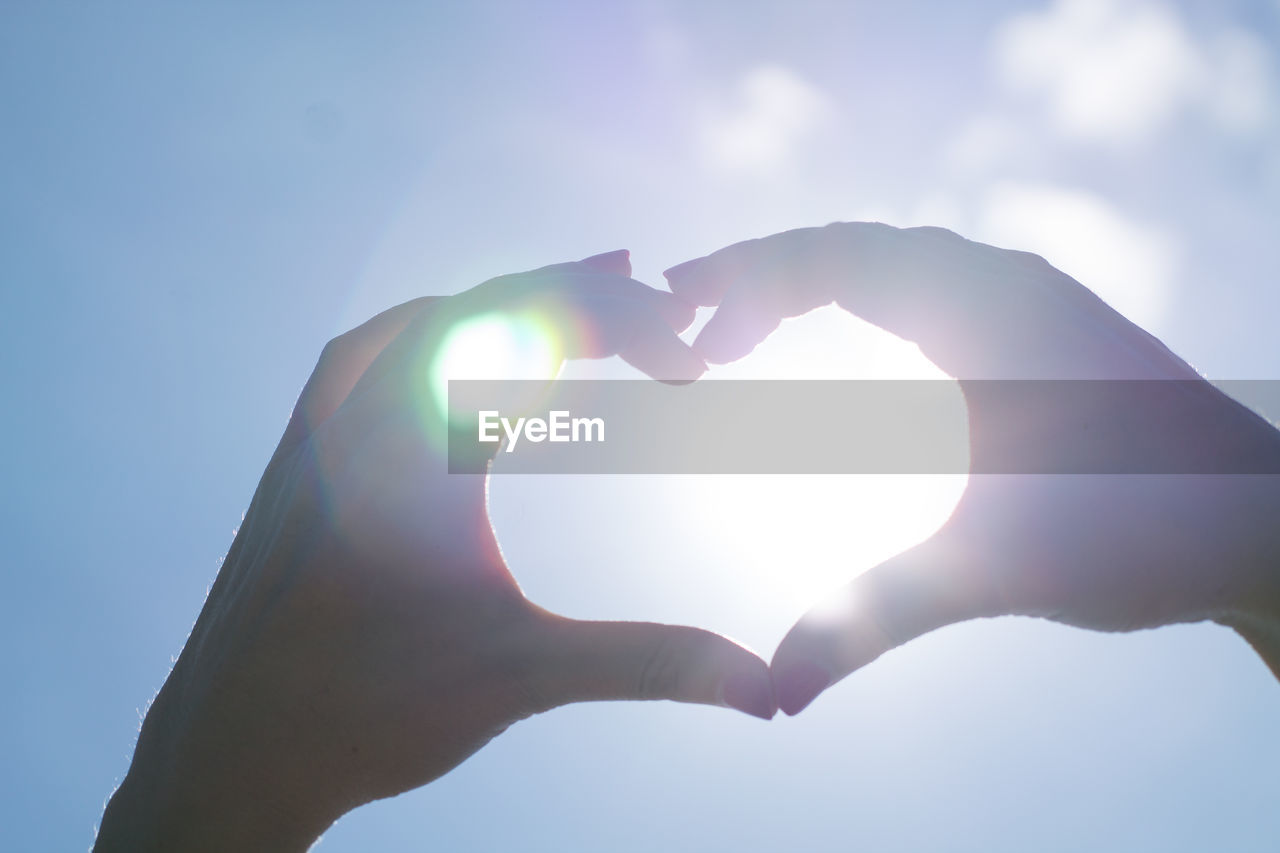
{"x":494,"y":346}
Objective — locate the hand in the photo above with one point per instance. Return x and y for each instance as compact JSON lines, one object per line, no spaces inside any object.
{"x":364,"y":635}
{"x":1108,"y":552}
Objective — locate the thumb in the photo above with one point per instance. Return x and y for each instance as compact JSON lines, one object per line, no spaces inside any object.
{"x":596,"y":661}
{"x":929,"y":586}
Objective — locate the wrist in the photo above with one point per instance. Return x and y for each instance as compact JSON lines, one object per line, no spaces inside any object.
{"x":194,"y":785}
{"x":153,"y":811}
{"x":160,"y":808}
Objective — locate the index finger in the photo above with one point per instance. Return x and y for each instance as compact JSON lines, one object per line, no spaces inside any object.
{"x":572,"y":310}
{"x":975,"y":310}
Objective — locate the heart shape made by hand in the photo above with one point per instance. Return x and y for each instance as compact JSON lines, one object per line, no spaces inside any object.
{"x":364,"y":634}
{"x":1105,"y":549}
{"x":744,"y":555}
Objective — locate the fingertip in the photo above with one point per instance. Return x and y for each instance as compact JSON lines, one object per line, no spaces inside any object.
{"x":617,"y":262}
{"x":728,"y":338}
{"x":696,"y":282}
{"x":678,"y":312}
{"x":750,"y":692}
{"x":799,"y":683}
{"x":688,"y":372}
{"x":596,"y":661}
{"x":666,"y":358}
{"x":681,"y":271}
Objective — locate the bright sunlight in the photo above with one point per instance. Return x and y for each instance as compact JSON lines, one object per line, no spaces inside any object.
{"x":797,"y":537}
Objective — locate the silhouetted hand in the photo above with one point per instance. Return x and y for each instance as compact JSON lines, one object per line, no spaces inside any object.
{"x":364,"y":635}
{"x":1104,"y":551}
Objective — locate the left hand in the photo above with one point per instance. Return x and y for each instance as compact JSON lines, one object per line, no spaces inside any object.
{"x":1107,"y":551}
{"x":364,"y":635}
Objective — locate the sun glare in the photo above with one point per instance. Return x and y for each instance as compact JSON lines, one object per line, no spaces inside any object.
{"x":788,"y":539}
{"x":797,"y":537}
{"x":495,"y":346}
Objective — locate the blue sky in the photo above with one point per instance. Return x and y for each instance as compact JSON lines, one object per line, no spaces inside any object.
{"x":197,"y":196}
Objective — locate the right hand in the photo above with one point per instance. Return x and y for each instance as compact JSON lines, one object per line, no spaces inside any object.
{"x":1108,"y":552}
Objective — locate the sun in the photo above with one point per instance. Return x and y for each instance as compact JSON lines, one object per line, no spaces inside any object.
{"x":793,"y":538}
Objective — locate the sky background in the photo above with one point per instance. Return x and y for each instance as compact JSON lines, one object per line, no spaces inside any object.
{"x":195,"y":197}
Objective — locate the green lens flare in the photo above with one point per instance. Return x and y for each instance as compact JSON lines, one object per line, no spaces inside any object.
{"x":494,"y":346}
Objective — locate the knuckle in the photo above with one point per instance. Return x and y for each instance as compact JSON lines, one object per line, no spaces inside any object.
{"x":662,"y":673}
{"x":530,"y":694}
{"x":518,"y":667}
{"x":937,"y":232}
{"x":333,"y":348}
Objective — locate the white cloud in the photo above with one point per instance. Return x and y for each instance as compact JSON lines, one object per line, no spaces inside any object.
{"x":1127,"y":263}
{"x":986,"y":142}
{"x":775,"y":110}
{"x":1119,"y":70}
{"x":1239,"y":80}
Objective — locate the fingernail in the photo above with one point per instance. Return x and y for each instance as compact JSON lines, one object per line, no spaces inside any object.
{"x":799,"y":685}
{"x":681,"y":269}
{"x":688,"y":373}
{"x":678,"y":312}
{"x":749,"y":693}
{"x":617,"y":260}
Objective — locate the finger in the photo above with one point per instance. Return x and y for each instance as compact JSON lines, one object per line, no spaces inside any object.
{"x":596,"y":315}
{"x":617,"y":262}
{"x":755,"y":306}
{"x":976,"y":311}
{"x":612,"y":266}
{"x":678,"y":313}
{"x":705,"y":280}
{"x":342,"y":362}
{"x":580,"y":661}
{"x":919,"y":590}
{"x":756,"y":285}
{"x":651,"y":346}
{"x":576,"y":312}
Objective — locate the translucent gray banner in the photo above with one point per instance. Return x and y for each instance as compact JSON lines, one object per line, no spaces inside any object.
{"x":863,"y":427}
